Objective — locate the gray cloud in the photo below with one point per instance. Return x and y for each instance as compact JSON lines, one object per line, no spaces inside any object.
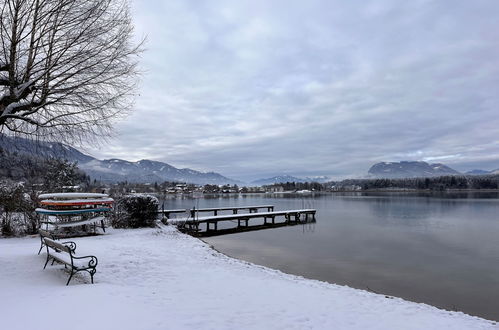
{"x":257,"y":88}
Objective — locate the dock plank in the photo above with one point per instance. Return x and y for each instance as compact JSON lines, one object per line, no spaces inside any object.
{"x":226,"y":217}
{"x":228,"y":208}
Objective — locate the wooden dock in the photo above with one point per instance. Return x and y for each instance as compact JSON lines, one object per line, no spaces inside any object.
{"x":193,"y":212}
{"x":269,"y":218}
{"x":234,"y":209}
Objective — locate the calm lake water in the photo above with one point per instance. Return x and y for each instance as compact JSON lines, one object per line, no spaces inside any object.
{"x":438,"y":249}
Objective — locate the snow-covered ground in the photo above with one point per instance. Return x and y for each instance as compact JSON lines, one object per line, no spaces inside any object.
{"x":162,"y":279}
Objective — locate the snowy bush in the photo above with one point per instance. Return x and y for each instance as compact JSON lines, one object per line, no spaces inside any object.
{"x":17,"y":216}
{"x":135,"y":211}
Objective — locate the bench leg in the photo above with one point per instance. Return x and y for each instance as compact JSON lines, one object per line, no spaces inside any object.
{"x":41,"y":247}
{"x":70,"y":276}
{"x":46,"y":262}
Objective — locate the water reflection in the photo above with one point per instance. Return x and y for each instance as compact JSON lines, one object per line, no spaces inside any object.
{"x":441,"y":249}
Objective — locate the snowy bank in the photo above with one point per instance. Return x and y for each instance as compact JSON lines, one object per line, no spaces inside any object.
{"x":162,"y":279}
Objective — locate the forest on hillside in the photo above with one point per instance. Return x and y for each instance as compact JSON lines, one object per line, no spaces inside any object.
{"x":432,"y":183}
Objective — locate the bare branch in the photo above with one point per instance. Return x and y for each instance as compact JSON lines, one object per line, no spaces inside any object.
{"x":67,"y":67}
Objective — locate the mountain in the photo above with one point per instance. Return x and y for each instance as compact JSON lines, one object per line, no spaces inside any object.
{"x":112,"y":170}
{"x":319,"y":179}
{"x":277,"y":179}
{"x":42,"y":149}
{"x":478,"y":172}
{"x":409,"y":169}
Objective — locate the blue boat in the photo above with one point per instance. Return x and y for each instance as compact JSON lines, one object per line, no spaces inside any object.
{"x":70,"y":212}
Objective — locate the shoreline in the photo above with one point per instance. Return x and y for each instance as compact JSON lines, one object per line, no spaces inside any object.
{"x":311,"y":193}
{"x":368,"y":290}
{"x":159,"y":278}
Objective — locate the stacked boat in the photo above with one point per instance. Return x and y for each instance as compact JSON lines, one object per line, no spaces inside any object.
{"x":66,"y":210}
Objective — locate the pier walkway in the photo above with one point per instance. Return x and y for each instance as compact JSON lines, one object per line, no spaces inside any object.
{"x":234,"y":209}
{"x":290,"y":216}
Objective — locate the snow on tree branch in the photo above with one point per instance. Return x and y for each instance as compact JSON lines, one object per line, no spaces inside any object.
{"x":67,"y":67}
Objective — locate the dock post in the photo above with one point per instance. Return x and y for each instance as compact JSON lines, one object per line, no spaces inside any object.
{"x":245,"y":222}
{"x":215,"y":227}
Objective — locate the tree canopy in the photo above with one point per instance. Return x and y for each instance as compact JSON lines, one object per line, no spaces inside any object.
{"x":67,"y":67}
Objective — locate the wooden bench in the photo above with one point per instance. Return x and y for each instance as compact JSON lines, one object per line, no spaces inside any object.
{"x":65,"y":254}
{"x":43,"y":234}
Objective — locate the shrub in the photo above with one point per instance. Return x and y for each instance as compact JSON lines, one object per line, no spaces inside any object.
{"x":17,"y":216}
{"x":135,"y":211}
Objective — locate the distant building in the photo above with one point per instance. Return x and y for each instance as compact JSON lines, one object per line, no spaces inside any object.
{"x":352,"y":187}
{"x":274,"y":188}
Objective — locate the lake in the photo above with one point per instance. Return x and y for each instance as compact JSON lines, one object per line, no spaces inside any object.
{"x":440,"y":249}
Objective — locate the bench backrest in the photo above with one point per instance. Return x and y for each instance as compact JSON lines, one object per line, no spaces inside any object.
{"x":44,"y":233}
{"x":56,"y":245}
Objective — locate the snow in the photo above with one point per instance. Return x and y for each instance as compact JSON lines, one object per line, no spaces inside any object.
{"x":162,"y":279}
{"x":77,"y":223}
{"x":73,"y":201}
{"x":72,"y":195}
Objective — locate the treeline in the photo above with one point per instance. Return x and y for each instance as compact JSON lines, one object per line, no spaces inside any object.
{"x":291,"y":186}
{"x":433,"y":183}
{"x":49,"y":173}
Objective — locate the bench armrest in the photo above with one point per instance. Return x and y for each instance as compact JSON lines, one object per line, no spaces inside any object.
{"x":92,"y":262}
{"x":71,"y":245}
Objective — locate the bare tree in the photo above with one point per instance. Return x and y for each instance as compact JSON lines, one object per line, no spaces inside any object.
{"x":67,"y":67}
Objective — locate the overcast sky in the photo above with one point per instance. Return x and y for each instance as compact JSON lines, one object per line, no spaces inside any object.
{"x":252,"y":89}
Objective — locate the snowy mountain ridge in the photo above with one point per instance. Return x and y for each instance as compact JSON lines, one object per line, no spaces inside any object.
{"x":409,"y":169}
{"x":288,"y":178}
{"x":112,"y":170}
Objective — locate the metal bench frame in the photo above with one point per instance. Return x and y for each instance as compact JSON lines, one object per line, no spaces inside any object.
{"x":46,"y":233}
{"x":69,"y":248}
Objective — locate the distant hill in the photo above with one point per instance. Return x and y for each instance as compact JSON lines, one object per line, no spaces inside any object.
{"x":410,"y":169}
{"x":477,"y":172}
{"x":42,"y":149}
{"x":277,"y":179}
{"x":319,"y":179}
{"x":482,"y":172}
{"x":112,"y":170}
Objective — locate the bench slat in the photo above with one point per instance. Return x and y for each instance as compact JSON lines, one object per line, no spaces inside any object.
{"x":56,"y":245}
